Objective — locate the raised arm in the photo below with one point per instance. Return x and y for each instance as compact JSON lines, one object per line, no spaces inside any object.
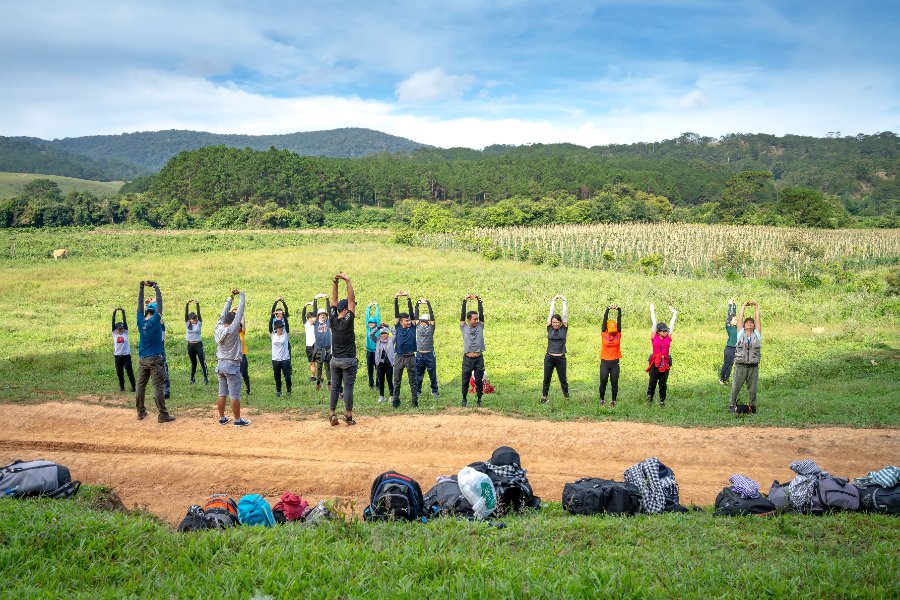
{"x":462,"y":314}
{"x":186,"y":306}
{"x":603,"y":328}
{"x":334,"y":291}
{"x":124,"y":321}
{"x":239,"y":315}
{"x":351,"y":295}
{"x":565,"y":312}
{"x":430,"y":312}
{"x":159,"y":304}
{"x":287,"y":313}
{"x":552,"y":310}
{"x":409,"y":307}
{"x":140,"y":306}
{"x":304,"y":311}
{"x":377,"y":313}
{"x":619,"y":318}
{"x":227,"y":308}
{"x":397,"y":308}
{"x":672,"y":320}
{"x":652,"y":319}
{"x":756,"y":318}
{"x":480,"y":310}
{"x":741,"y":318}
{"x":197,"y":304}
{"x":732,"y":311}
{"x":115,"y":310}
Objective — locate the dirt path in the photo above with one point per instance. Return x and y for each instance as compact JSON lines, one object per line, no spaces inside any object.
{"x":166,"y":468}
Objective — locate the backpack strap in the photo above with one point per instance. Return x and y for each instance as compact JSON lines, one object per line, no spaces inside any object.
{"x":65,"y":491}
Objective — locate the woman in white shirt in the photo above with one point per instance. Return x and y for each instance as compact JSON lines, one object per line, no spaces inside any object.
{"x":281,"y":355}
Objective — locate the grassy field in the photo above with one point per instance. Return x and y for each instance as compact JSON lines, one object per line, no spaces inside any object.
{"x":830,"y":356}
{"x":61,"y":548}
{"x":12,"y":183}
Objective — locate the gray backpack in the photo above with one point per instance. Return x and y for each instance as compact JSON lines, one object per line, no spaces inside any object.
{"x":835,"y":493}
{"x":37,"y":478}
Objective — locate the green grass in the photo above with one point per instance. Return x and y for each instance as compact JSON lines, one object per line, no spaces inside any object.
{"x":61,"y":548}
{"x":830,"y":354}
{"x":12,"y":183}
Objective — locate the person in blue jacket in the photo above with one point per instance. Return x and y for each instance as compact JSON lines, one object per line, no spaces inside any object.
{"x":404,"y":350}
{"x":151,"y":354}
{"x":373,"y":320}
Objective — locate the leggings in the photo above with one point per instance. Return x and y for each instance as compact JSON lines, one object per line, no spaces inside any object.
{"x":370,"y":367}
{"x":196,"y":353}
{"x":662,"y":378}
{"x":245,"y":373}
{"x":559,"y":363}
{"x":384,"y":372}
{"x":609,"y":371}
{"x":472,"y":365}
{"x":279,"y":367}
{"x":727,"y":363}
{"x":123,"y":365}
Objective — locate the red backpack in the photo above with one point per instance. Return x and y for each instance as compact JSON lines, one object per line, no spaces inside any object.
{"x":291,"y":506}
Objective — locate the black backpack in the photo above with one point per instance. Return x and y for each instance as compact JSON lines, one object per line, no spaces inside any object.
{"x":41,"y":478}
{"x":197,"y":520}
{"x":873,"y":498}
{"x":395,"y":496}
{"x":445,"y":499}
{"x":513,"y":495}
{"x":730,"y":503}
{"x":593,"y":496}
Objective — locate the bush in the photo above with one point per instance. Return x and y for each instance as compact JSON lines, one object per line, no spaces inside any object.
{"x":493,"y":253}
{"x":892,"y":278}
{"x":553,"y":260}
{"x":523,"y":252}
{"x":405,"y":236}
{"x":651,"y":264}
{"x":538,"y":257}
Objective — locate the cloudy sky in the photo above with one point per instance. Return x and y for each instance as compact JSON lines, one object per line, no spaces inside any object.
{"x":452,"y":73}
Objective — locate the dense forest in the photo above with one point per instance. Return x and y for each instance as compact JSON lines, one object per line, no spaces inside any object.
{"x":753,"y":179}
{"x":19,"y":155}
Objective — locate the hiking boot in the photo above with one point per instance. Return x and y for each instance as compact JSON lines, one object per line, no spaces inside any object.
{"x":165,"y":419}
{"x":723,"y":382}
{"x":242,"y":422}
{"x":333,"y":419}
{"x":278,"y":394}
{"x":464,"y":403}
{"x":348,"y":419}
{"x":141,"y":415}
{"x":544,"y":399}
{"x":223,"y":420}
{"x":381,"y":398}
{"x":122,"y":390}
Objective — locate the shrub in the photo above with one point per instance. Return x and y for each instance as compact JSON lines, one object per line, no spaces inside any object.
{"x":892,"y":278}
{"x":492,"y":253}
{"x":651,"y":264}
{"x":405,"y":236}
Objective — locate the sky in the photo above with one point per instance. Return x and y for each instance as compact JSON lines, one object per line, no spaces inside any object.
{"x":452,"y":73}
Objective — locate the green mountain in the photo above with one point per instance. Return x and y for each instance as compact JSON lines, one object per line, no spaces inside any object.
{"x":32,"y":155}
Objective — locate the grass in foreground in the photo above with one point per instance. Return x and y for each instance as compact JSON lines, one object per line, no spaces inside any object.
{"x":11,"y":184}
{"x":53,"y":548}
{"x":830,"y":355}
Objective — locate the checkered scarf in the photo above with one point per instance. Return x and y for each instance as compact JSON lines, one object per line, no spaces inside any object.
{"x":887,"y":477}
{"x":803,"y":486}
{"x":744,"y":486}
{"x":513,"y":472}
{"x":645,"y":476}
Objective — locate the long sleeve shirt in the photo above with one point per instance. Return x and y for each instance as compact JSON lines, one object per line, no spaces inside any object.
{"x":228,"y":339}
{"x":150,"y":328}
{"x":730,"y":329}
{"x":473,"y":337}
{"x":372,"y":319}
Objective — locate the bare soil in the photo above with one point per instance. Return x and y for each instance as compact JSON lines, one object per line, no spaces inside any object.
{"x":164,"y":468}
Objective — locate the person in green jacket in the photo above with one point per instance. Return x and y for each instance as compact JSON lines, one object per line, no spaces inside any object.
{"x":373,"y":320}
{"x":731,"y":322}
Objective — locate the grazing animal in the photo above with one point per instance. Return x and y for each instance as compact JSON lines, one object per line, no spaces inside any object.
{"x":60,"y":253}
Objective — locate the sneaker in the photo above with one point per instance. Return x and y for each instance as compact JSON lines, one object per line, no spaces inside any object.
{"x":565,"y":396}
{"x":278,"y":394}
{"x":223,"y":420}
{"x":650,"y":400}
{"x":544,"y":399}
{"x":464,"y":403}
{"x":333,"y":418}
{"x":348,"y":419}
{"x":662,"y":403}
{"x":318,"y":385}
{"x":602,"y":401}
{"x":722,"y":382}
{"x":415,"y":404}
{"x":193,"y":381}
{"x":166,"y":396}
{"x":612,"y":404}
{"x":381,"y":398}
{"x":312,"y":379}
{"x":731,"y":408}
{"x":242,"y":422}
{"x":248,"y":392}
{"x":165,"y":419}
{"x":289,"y":393}
{"x":435,"y":395}
{"x":205,"y":381}
{"x":122,"y":390}
{"x":141,"y":415}
{"x":395,"y":403}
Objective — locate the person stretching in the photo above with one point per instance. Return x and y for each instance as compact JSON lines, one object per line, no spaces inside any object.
{"x":122,"y":350}
{"x":322,"y":349}
{"x":245,"y":364}
{"x":471,"y":324}
{"x":281,"y":355}
{"x":151,"y":356}
{"x":309,"y":326}
{"x":280,"y":313}
{"x":404,"y":350}
{"x":610,"y":353}
{"x":731,"y":322}
{"x":343,"y":360}
{"x":193,"y":324}
{"x":660,"y":361}
{"x":228,"y":353}
{"x":555,"y":358}
{"x":748,"y":351}
{"x":373,"y":320}
{"x":167,"y":383}
{"x":384,"y":359}
{"x":425,"y":358}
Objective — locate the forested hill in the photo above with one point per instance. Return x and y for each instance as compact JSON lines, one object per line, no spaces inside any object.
{"x":152,"y":149}
{"x":31,"y":155}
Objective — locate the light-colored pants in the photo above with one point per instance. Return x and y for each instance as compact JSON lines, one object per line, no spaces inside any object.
{"x":748,"y":374}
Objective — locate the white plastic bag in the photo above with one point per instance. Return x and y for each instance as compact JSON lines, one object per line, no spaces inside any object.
{"x":478,"y":489}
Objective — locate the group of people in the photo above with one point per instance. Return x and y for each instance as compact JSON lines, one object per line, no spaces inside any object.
{"x":407,"y":347}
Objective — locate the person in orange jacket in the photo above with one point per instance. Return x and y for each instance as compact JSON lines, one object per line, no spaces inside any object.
{"x":610,"y":353}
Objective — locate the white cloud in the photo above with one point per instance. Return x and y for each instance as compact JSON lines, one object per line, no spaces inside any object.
{"x":432,"y":86}
{"x":693,"y":100}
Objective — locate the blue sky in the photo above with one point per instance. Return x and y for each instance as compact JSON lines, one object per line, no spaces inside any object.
{"x":461,"y":73}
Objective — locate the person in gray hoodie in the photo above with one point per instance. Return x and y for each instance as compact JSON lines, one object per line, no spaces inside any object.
{"x":384,"y":358}
{"x":229,"y":352}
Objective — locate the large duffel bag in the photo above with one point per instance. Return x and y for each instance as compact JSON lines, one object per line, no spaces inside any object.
{"x":44,"y":478}
{"x":593,"y":496}
{"x":730,"y":503}
{"x":873,"y":498}
{"x":834,"y":493}
{"x":445,"y":499}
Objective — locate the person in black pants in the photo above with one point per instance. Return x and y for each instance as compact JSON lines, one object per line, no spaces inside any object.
{"x":193,"y":323}
{"x":557,"y":328}
{"x":122,"y":350}
{"x":610,"y":353}
{"x":471,"y":324}
{"x":280,"y":313}
{"x":404,"y":350}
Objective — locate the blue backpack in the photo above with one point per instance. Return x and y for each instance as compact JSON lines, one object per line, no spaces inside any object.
{"x":395,"y":496}
{"x":254,"y":510}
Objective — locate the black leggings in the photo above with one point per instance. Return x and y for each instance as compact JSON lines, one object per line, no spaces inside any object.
{"x":245,"y":373}
{"x":370,"y":366}
{"x":279,"y":367}
{"x":609,"y":371}
{"x":559,"y":363}
{"x":196,"y":353}
{"x":123,"y":365}
{"x":384,"y":372}
{"x":662,"y":378}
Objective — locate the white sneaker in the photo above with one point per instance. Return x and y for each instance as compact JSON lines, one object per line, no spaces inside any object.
{"x":381,"y":398}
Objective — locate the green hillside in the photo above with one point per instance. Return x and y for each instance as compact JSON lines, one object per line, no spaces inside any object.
{"x":11,"y":184}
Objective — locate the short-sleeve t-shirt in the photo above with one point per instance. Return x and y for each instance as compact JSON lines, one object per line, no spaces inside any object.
{"x":343,"y":339}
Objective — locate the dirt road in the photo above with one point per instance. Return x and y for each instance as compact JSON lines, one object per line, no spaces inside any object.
{"x":166,"y":468}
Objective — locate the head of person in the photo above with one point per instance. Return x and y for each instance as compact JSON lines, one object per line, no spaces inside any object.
{"x":150,"y":308}
{"x":612,"y":327}
{"x":424,"y":318}
{"x":228,"y":319}
{"x":749,"y":325}
{"x":383,"y":334}
{"x":192,"y":317}
{"x":372,"y":324}
{"x":734,"y":321}
{"x":404,"y":320}
{"x":342,"y":307}
{"x":278,"y":326}
{"x":556,"y":321}
{"x":662,"y":330}
{"x":472,"y":318}
{"x":279,"y":313}
{"x":120,"y":327}
{"x":322,"y":315}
